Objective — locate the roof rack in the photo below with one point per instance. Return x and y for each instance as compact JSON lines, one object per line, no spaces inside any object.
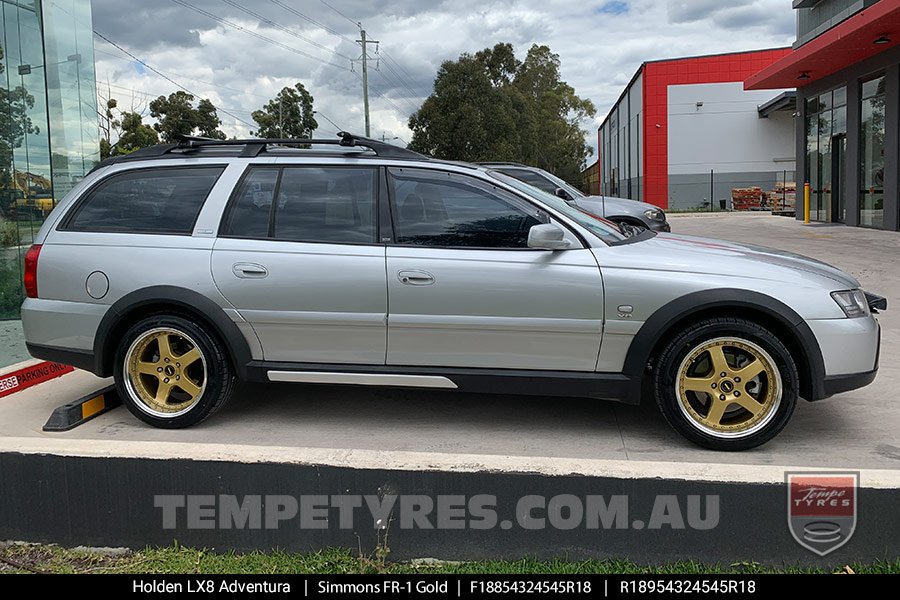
{"x":187,"y":144}
{"x":501,"y":163}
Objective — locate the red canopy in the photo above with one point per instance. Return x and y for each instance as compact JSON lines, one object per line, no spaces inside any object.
{"x":846,"y":44}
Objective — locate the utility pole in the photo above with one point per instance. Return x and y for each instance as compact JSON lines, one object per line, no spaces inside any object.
{"x":365,"y":72}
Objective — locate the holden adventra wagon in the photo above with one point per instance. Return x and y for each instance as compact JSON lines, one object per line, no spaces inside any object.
{"x":184,"y":267}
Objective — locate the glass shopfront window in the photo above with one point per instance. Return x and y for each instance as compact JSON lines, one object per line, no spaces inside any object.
{"x":826,"y":135}
{"x":49,"y":136}
{"x":871,"y":150}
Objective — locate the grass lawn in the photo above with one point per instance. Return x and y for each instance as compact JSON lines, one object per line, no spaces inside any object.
{"x":26,"y":558}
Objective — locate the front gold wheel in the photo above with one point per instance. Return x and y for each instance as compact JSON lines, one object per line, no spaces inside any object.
{"x":728,"y":387}
{"x":166,"y":372}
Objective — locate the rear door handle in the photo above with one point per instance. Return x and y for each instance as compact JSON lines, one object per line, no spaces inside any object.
{"x":249,"y":270}
{"x":415,"y":277}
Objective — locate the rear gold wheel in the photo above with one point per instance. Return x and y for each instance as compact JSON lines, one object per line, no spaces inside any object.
{"x":166,"y":371}
{"x":172,"y":370}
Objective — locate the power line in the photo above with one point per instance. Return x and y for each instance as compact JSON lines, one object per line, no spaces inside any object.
{"x":324,"y":116}
{"x":183,"y":76}
{"x":271,"y":23}
{"x":339,"y":13}
{"x":255,"y":34}
{"x":164,"y":76}
{"x":294,"y":11}
{"x":387,"y":56}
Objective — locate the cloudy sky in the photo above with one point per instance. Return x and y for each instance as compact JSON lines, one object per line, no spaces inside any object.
{"x":239,"y":53}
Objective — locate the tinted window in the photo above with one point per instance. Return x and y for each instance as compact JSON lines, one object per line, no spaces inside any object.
{"x":146,"y":201}
{"x":531,"y":178}
{"x":445,"y":210}
{"x":326,"y":204}
{"x":249,"y":216}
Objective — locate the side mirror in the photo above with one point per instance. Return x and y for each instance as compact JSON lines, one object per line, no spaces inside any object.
{"x":547,"y":237}
{"x":561,"y":193}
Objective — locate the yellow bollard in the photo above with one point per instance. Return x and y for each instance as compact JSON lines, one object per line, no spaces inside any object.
{"x":806,"y":203}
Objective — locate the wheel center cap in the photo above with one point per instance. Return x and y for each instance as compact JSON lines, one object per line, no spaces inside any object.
{"x":727,"y":386}
{"x":169,"y":370}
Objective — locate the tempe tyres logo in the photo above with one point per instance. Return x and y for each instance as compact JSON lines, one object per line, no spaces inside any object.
{"x":822,"y":509}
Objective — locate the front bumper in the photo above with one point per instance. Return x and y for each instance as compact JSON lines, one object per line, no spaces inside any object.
{"x":850,"y":350}
{"x":662,"y":226}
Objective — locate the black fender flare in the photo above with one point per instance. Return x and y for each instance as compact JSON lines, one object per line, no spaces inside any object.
{"x":697,"y":303}
{"x":185,"y":299}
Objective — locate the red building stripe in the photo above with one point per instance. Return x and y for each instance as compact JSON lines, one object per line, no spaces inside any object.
{"x":658,"y":76}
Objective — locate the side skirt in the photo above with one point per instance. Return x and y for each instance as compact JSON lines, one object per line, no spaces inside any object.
{"x":604,"y":386}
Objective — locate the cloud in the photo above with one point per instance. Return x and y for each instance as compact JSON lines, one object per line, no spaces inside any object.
{"x":600,"y":44}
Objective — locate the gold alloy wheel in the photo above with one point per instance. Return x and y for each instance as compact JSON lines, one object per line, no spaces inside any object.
{"x":728,"y":387}
{"x":165,"y":371}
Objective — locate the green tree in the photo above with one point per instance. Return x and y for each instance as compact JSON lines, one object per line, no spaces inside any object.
{"x":288,"y":115}
{"x":491,"y":106}
{"x":126,"y":127}
{"x":134,"y":134}
{"x":176,"y":115}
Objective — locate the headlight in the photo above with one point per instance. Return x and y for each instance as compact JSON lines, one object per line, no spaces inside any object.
{"x":852,"y":302}
{"x":654,"y":214}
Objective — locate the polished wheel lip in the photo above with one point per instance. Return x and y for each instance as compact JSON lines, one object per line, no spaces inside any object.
{"x":770,"y":406}
{"x":129,"y":383}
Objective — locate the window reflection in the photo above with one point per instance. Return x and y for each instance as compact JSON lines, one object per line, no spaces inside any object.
{"x":49,"y":137}
{"x":871,"y":175}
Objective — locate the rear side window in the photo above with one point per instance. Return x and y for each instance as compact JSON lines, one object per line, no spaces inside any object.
{"x":252,"y":206}
{"x":333,"y":205}
{"x":159,"y":200}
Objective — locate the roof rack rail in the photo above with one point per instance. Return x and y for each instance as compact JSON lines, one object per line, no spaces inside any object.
{"x":255,"y":146}
{"x":187,"y":144}
{"x":502,"y":163}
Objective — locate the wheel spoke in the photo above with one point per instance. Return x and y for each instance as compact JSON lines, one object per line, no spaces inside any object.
{"x":147,"y":368}
{"x":163,"y":392}
{"x":189,"y":387}
{"x":749,"y":403}
{"x":716,"y":412}
{"x":717,"y":358}
{"x":189,"y":357}
{"x":165,"y":347}
{"x":750,"y":371}
{"x":698,"y":384}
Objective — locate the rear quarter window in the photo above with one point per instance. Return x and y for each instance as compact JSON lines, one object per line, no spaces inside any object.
{"x":156,"y":200}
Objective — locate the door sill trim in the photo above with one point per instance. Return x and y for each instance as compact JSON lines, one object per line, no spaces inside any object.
{"x":377,"y":379}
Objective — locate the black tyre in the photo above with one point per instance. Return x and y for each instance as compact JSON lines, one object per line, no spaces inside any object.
{"x":726,"y":384}
{"x":171,"y":372}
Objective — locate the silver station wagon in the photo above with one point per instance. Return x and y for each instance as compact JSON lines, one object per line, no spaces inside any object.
{"x":182,"y":268}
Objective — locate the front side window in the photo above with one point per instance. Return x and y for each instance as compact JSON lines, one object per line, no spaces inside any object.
{"x":449,"y":210}
{"x":311,"y":204}
{"x":159,"y":200}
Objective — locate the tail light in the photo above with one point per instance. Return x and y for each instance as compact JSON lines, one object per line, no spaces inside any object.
{"x":30,"y":277}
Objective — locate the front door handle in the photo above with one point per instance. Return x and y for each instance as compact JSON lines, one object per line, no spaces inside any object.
{"x":249,"y":270}
{"x":415,"y":277}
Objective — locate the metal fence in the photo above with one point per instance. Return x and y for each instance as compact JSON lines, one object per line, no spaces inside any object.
{"x":717,"y":191}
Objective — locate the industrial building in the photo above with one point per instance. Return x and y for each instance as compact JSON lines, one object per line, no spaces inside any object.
{"x":685,"y":134}
{"x":845,"y":65}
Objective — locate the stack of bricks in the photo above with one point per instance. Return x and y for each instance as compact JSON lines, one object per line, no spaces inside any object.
{"x":748,"y":198}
